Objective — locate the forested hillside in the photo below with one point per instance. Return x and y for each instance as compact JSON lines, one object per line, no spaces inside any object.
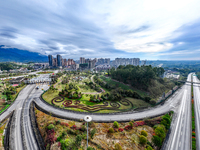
{"x":135,"y":75}
{"x":146,"y":78}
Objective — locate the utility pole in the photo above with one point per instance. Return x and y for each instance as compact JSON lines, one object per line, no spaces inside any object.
{"x":87,"y":119}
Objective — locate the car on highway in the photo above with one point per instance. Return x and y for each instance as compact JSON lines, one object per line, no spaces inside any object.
{"x":37,"y":87}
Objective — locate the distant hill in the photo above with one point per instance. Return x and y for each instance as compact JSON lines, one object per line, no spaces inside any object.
{"x":17,"y":55}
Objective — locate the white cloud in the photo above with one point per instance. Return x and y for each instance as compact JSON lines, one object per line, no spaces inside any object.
{"x":92,"y":28}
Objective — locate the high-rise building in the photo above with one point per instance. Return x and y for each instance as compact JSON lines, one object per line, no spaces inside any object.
{"x":59,"y":60}
{"x":55,"y":62}
{"x":91,"y":63}
{"x":126,"y":61}
{"x":82,"y":60}
{"x":65,"y":62}
{"x":107,"y":61}
{"x":87,"y":61}
{"x":50,"y":60}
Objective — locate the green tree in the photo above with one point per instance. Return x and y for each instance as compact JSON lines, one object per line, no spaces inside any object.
{"x":143,"y":140}
{"x":157,"y":140}
{"x":143,"y":132}
{"x":78,"y":140}
{"x":116,"y":124}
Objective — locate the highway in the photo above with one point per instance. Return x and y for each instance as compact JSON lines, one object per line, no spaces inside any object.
{"x":180,"y":131}
{"x":16,"y":137}
{"x":196,"y":91}
{"x":30,"y":141}
{"x":21,"y":96}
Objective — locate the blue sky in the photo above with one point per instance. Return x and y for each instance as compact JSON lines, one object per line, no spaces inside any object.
{"x":148,"y":29}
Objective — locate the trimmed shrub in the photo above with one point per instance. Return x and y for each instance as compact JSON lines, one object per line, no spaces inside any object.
{"x":131,"y":124}
{"x":118,"y":146}
{"x":116,"y":124}
{"x":143,"y":132}
{"x":51,"y":126}
{"x":128,"y":127}
{"x":120,"y":130}
{"x":78,"y":140}
{"x":110,"y":130}
{"x":160,"y":131}
{"x":157,"y":140}
{"x":143,"y":140}
{"x":166,"y":121}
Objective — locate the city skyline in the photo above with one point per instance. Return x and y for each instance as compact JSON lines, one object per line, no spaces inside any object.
{"x":146,"y":29}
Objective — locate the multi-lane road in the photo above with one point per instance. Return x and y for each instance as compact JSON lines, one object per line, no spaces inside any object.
{"x":180,"y":132}
{"x":180,"y":103}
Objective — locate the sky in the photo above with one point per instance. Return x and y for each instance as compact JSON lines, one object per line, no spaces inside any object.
{"x":145,"y":29}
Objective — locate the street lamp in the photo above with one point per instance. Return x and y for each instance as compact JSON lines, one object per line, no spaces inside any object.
{"x":87,"y":119}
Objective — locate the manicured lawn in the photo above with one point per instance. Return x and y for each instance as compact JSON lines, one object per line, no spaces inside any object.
{"x":138,"y":103}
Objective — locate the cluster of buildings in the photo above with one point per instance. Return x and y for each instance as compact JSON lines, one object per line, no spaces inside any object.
{"x":125,"y":61}
{"x":59,"y":62}
{"x":95,"y":63}
{"x":171,"y":74}
{"x":20,"y":70}
{"x":88,"y":63}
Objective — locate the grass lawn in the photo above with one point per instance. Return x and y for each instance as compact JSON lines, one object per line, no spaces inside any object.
{"x":138,"y":103}
{"x":85,"y":88}
{"x":123,"y":86}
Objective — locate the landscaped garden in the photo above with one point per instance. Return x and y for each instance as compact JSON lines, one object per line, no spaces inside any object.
{"x":64,"y":134}
{"x":8,"y":94}
{"x":81,"y":93}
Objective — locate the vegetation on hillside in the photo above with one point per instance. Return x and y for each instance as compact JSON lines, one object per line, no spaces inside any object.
{"x":146,"y":78}
{"x":71,"y":135}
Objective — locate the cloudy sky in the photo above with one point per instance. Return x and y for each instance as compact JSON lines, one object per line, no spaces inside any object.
{"x":148,"y":29}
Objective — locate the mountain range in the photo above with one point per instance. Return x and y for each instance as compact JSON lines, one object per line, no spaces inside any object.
{"x":17,"y":55}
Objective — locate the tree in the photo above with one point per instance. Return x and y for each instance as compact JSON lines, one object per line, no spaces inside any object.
{"x":78,"y":140}
{"x":160,"y":131}
{"x":143,"y":140}
{"x":143,"y":132}
{"x":157,"y":140}
{"x":116,"y":124}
